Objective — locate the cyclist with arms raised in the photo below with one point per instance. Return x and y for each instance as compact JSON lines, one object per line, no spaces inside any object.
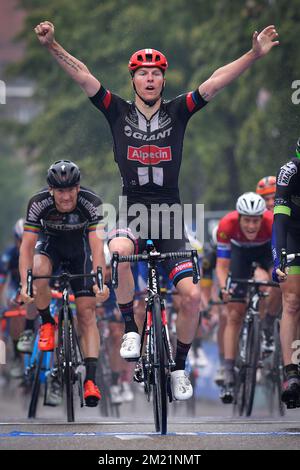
{"x":148,"y":139}
{"x":244,"y":236}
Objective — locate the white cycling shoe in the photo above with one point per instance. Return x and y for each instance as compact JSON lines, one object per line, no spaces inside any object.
{"x":130,"y":347}
{"x":181,"y":386}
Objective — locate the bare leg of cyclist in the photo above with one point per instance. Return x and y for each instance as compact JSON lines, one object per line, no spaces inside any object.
{"x":269,"y":309}
{"x":288,"y":335}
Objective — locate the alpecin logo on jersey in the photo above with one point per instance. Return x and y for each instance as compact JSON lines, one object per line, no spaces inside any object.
{"x":149,"y":154}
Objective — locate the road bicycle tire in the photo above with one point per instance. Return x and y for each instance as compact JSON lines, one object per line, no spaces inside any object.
{"x":36,"y":385}
{"x":239,"y":400}
{"x":68,"y":367}
{"x":160,"y":406}
{"x":252,"y":357}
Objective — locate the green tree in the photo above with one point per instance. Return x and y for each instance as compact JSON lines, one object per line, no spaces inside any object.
{"x":246,"y":132}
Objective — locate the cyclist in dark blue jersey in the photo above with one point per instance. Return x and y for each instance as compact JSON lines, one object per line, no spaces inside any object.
{"x":148,"y":140}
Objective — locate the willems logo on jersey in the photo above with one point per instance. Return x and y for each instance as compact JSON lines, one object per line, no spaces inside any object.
{"x":149,"y":154}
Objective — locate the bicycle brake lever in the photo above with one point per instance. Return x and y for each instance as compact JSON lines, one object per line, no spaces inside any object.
{"x":196,"y":271}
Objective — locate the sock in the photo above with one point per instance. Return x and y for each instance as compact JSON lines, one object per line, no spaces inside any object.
{"x":46,"y":316}
{"x":128,"y":317}
{"x":181,"y":354}
{"x":29,"y":325}
{"x":90,"y":367}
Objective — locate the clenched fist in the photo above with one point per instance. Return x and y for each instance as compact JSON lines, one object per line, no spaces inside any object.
{"x":45,"y":33}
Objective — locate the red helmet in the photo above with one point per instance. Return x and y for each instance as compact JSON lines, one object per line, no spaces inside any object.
{"x":147,"y":58}
{"x":266,"y":185}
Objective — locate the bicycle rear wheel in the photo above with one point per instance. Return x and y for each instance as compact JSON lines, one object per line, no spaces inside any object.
{"x":36,"y":385}
{"x":160,"y":379}
{"x":252,"y":356}
{"x":68,"y":368}
{"x":239,"y":400}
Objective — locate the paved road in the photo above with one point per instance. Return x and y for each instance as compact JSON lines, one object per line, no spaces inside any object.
{"x":212,"y":427}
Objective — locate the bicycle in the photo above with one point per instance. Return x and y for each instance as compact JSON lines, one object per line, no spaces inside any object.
{"x":285,"y":259}
{"x":249,"y":354}
{"x":68,"y":352}
{"x":274,"y":373}
{"x":155,"y":364}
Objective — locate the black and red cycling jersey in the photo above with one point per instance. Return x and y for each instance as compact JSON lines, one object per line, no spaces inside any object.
{"x":148,"y":152}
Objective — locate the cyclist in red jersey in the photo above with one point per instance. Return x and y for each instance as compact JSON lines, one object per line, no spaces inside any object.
{"x":148,"y":140}
{"x":244,"y":236}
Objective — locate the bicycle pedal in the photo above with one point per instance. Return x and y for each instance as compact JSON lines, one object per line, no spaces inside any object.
{"x":227,"y":399}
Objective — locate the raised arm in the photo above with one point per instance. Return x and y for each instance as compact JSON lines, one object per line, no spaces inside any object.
{"x":262,"y":43}
{"x":72,"y":66}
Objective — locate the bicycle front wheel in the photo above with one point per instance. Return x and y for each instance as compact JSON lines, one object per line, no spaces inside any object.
{"x":36,"y":385}
{"x":160,"y":379}
{"x":252,"y":356}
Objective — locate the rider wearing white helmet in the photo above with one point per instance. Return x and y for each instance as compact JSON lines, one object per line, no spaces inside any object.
{"x":244,"y":237}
